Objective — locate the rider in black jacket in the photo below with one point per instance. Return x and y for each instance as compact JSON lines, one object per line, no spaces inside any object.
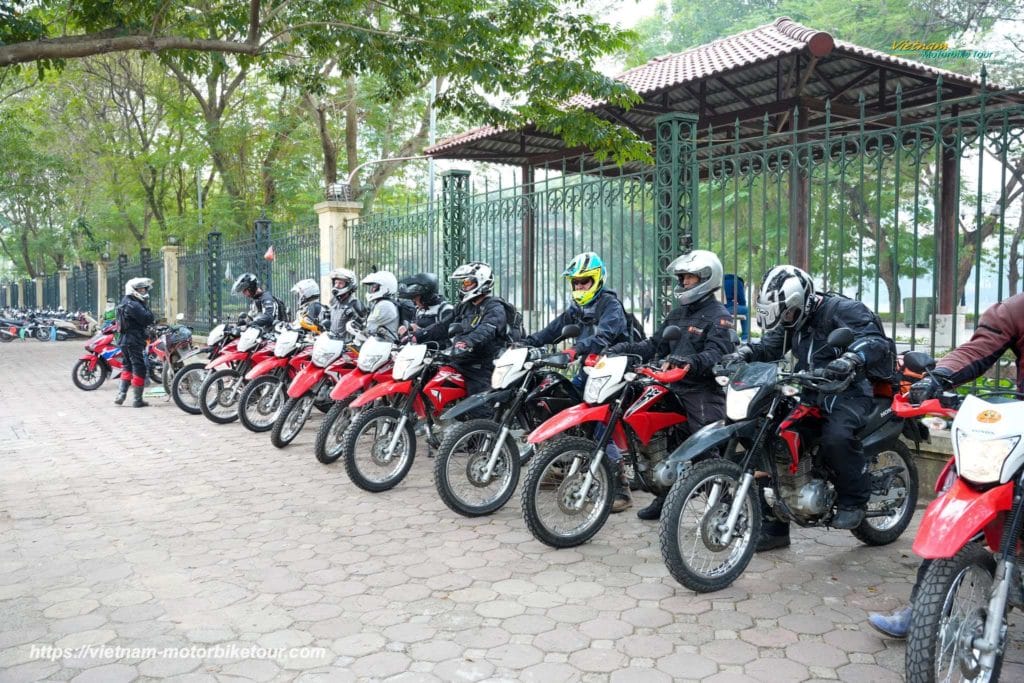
{"x":134,"y":317}
{"x":263,"y":311}
{"x":484,"y":322}
{"x":795,"y":318}
{"x":431,"y":306}
{"x":708,"y":334}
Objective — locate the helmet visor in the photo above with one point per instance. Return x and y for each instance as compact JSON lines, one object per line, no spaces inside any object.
{"x":468,"y":284}
{"x":582,"y":282}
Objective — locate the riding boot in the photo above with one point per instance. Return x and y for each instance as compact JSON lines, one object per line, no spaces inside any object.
{"x":138,"y":402}
{"x":622,"y":500}
{"x":122,"y":392}
{"x":774,"y":533}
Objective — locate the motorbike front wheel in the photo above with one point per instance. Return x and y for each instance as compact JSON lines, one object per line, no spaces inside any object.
{"x":291,"y":420}
{"x":260,"y":403}
{"x":696,"y":508}
{"x":186,"y":385}
{"x":555,"y":507}
{"x":460,"y":468}
{"x":330,"y":438}
{"x":949,"y":611}
{"x":218,"y":397}
{"x":896,"y":466}
{"x":365,"y":449}
{"x":86,"y":379}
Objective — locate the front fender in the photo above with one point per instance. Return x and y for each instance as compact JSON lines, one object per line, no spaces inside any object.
{"x":265,"y":367}
{"x":304,"y":381}
{"x":953,"y":519}
{"x":481,"y":400}
{"x":92,"y":358}
{"x":573,"y":417}
{"x":349,"y":384}
{"x":381,"y":390}
{"x":709,"y":437}
{"x":225,"y":358}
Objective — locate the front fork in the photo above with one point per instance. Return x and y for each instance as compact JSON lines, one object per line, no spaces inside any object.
{"x":504,"y":429}
{"x":406,"y":410}
{"x":988,"y":645}
{"x":599,"y":455}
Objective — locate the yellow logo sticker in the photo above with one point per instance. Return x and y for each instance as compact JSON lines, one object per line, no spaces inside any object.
{"x":600,"y":364}
{"x":989,"y":416}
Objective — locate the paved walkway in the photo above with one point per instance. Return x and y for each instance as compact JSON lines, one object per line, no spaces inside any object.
{"x":124,"y":532}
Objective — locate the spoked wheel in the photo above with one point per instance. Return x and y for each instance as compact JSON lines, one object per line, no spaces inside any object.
{"x":156,"y":370}
{"x":6,"y":336}
{"x":466,"y":479}
{"x":261,"y":403}
{"x":377,"y":456}
{"x":893,"y":490}
{"x":42,"y":334}
{"x":692,"y":542}
{"x":948,"y":615}
{"x":330,"y":438}
{"x":560,"y":508}
{"x":186,"y":385}
{"x":86,"y":379}
{"x":218,"y":397}
{"x":291,"y":420}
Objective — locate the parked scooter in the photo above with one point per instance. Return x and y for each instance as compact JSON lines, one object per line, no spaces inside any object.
{"x":477,"y":466}
{"x":103,"y":356}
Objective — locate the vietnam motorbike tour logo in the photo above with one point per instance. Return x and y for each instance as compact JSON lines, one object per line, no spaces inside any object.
{"x":915,"y":49}
{"x":989,"y":416}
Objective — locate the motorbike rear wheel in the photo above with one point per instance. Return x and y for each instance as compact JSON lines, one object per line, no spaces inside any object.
{"x":86,"y":379}
{"x":885,"y":530}
{"x":261,"y":403}
{"x":42,"y":334}
{"x":6,"y":336}
{"x":290,"y":421}
{"x":218,"y":397}
{"x":553,"y":480}
{"x":948,"y":613}
{"x":691,"y":543}
{"x":461,"y":463}
{"x":186,"y":385}
{"x":330,"y":438}
{"x":364,"y":451}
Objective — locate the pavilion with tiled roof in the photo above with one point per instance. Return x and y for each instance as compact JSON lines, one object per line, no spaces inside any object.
{"x":772,"y":69}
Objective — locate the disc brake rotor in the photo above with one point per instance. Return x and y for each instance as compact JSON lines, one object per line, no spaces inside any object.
{"x":973,"y":626}
{"x":569,"y":490}
{"x":477,"y":467}
{"x":710,"y":534}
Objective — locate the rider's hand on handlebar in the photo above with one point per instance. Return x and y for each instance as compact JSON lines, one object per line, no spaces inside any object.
{"x":617,"y":349}
{"x":460,"y":348}
{"x":924,"y":389}
{"x":844,"y":366}
{"x":676,"y":362}
{"x":740,"y":355}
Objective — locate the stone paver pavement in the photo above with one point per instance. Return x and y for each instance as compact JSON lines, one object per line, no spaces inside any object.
{"x":131,"y":530}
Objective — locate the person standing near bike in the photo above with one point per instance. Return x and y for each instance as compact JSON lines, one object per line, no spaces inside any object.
{"x":133,"y":318}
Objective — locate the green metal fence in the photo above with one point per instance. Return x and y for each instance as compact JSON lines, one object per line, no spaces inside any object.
{"x":29,"y":287}
{"x":82,"y":289}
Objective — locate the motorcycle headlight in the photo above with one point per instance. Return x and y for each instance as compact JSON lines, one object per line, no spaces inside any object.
{"x":981,"y":461}
{"x":737,"y":403}
{"x":593,"y":388}
{"x":368,"y":361}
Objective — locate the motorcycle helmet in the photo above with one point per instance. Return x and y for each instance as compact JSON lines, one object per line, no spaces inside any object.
{"x":705,"y":265}
{"x":423,"y":285}
{"x":138,"y":287}
{"x":246,"y":284}
{"x":785,"y":298}
{"x":474,"y":279}
{"x":343,"y":281}
{"x":585,"y":266}
{"x":307,"y":290}
{"x":380,"y":284}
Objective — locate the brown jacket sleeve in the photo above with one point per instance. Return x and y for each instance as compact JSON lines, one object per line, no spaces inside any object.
{"x":999,"y":330}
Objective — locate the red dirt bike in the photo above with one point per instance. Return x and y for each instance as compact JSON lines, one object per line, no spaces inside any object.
{"x":104,"y":356}
{"x":372,"y":367}
{"x":712,"y":516}
{"x":222,"y":388}
{"x":568,"y":490}
{"x":331,"y":359}
{"x":379,"y":445}
{"x":166,"y":351}
{"x":187,"y":381}
{"x":971,"y":533}
{"x":264,"y":394}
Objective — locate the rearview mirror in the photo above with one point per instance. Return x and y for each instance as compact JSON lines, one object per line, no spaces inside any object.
{"x":570,"y":331}
{"x":840,"y":338}
{"x":672,"y":333}
{"x":918,"y":361}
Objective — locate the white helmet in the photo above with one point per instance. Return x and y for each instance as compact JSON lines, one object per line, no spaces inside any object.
{"x":351,"y":282}
{"x":785,"y":298}
{"x":381,"y":284}
{"x":307,"y":290}
{"x":138,"y":287}
{"x":474,"y":279}
{"x":703,"y":264}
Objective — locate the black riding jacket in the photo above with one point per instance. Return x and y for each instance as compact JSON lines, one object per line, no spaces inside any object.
{"x":708,"y":334}
{"x":137,"y":317}
{"x":602,"y":323}
{"x":485,"y":323}
{"x":263,"y":310}
{"x":437,"y":310}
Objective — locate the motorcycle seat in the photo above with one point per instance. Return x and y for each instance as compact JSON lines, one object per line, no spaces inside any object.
{"x":881,"y":410}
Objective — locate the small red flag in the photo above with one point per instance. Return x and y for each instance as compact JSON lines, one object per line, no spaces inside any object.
{"x":270,"y":253}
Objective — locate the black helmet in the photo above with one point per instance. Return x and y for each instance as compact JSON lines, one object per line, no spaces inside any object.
{"x":247,"y":283}
{"x":423,"y":285}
